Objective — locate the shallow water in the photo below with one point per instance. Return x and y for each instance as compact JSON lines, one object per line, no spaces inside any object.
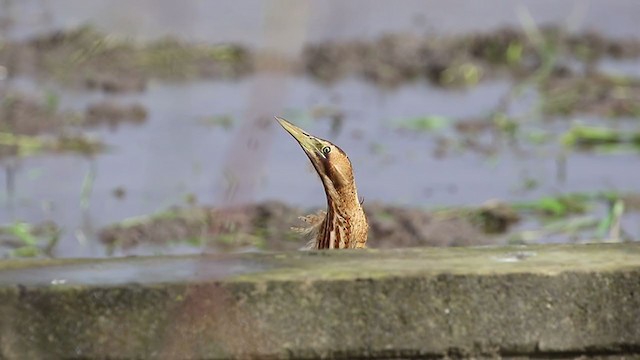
{"x":175,"y":154}
{"x":147,"y":271}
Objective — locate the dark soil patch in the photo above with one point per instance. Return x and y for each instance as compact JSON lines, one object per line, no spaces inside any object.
{"x":23,"y":115}
{"x":595,"y":94}
{"x":462,"y":60}
{"x":268,"y":226}
{"x":29,"y":125}
{"x":86,"y":57}
{"x":112,"y":114}
{"x":631,"y":201}
{"x":26,"y":115}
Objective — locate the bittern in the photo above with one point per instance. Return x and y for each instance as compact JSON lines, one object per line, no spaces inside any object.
{"x":344,"y":224}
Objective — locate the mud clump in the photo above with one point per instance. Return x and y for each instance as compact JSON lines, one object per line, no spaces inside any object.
{"x":388,"y":61}
{"x":26,"y":115}
{"x":262,"y":226}
{"x":23,"y":117}
{"x":113,"y":114}
{"x":461,"y":60}
{"x":392,"y":227}
{"x":595,"y":94}
{"x":268,"y":226}
{"x":88,"y":58}
{"x":494,"y":47}
{"x":494,"y":217}
{"x":30,"y":126}
{"x":115,"y":83}
{"x":20,"y":114}
{"x":592,"y":46}
{"x":329,"y":62}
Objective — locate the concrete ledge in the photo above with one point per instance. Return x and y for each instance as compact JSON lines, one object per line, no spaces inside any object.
{"x":538,"y":301}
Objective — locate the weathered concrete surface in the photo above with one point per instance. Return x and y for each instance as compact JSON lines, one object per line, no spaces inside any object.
{"x":537,"y":301}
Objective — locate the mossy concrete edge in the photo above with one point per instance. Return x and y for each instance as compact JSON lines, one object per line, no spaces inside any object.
{"x":538,"y":301}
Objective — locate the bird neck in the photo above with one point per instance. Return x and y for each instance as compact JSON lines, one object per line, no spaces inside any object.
{"x":343,"y":206}
{"x":342,"y":200}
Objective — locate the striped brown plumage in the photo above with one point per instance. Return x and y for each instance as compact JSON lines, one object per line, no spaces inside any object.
{"x":344,"y":224}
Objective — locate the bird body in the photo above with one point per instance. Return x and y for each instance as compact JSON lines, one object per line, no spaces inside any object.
{"x":344,"y":224}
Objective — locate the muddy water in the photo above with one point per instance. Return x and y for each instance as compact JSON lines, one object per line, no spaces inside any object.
{"x":176,"y":154}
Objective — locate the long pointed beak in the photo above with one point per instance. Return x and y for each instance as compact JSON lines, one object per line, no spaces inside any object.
{"x":302,"y":137}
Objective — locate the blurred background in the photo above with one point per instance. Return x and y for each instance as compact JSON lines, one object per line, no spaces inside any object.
{"x":146,"y":127}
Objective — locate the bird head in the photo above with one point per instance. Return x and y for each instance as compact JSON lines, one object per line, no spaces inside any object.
{"x":330,"y":162}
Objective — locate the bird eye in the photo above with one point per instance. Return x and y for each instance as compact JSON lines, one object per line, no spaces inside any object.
{"x":326,"y":150}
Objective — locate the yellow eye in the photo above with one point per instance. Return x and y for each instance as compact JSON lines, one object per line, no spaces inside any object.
{"x":326,"y":150}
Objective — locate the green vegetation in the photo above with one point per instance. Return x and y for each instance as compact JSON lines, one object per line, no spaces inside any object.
{"x":557,"y":206}
{"x":567,"y":216}
{"x":86,"y":57}
{"x":575,"y":216}
{"x":25,"y":145}
{"x":26,"y":240}
{"x":170,"y":58}
{"x":466,"y":74}
{"x":192,"y":226}
{"x":604,"y":95}
{"x":424,"y":123}
{"x":223,"y":121}
{"x":584,"y":136}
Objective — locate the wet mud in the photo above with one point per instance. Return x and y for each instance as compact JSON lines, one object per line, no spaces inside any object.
{"x":25,"y":115}
{"x":599,"y":95}
{"x":88,"y":58}
{"x":30,"y":125}
{"x":463,"y":60}
{"x":113,"y":114}
{"x":85,"y":57}
{"x":267,"y":226}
